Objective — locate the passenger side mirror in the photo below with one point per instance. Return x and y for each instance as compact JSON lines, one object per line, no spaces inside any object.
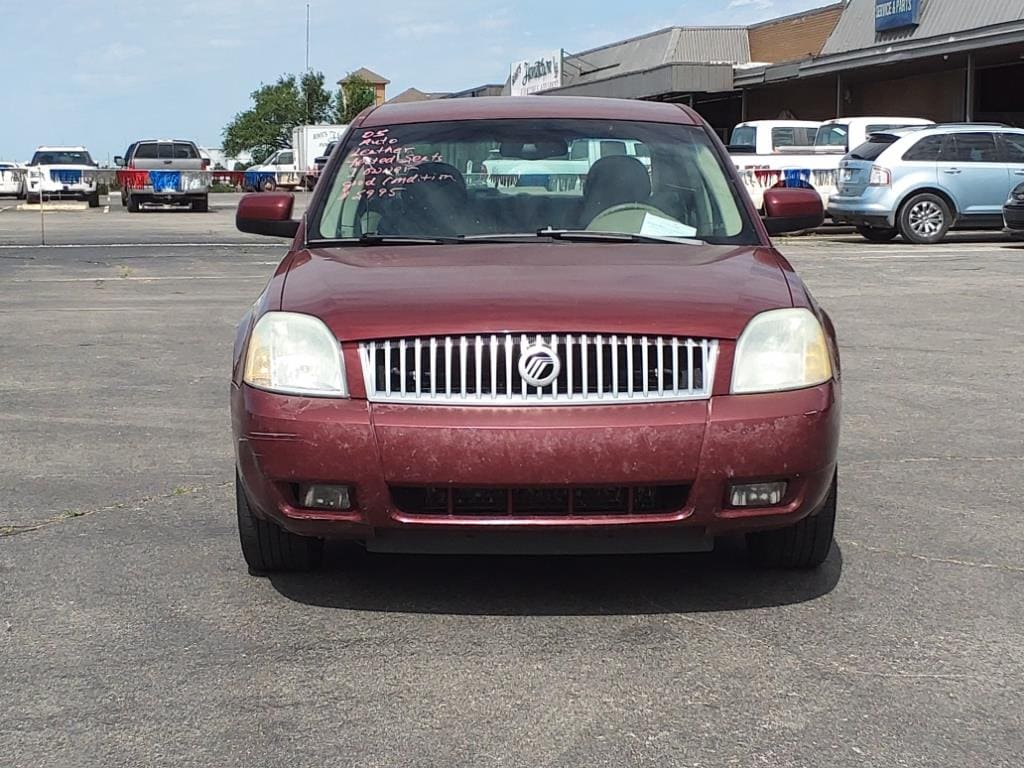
{"x":119,"y":161}
{"x":267,"y":214}
{"x":792,"y":209}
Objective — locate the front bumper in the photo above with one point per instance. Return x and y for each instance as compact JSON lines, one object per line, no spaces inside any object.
{"x":1013,"y":218}
{"x":707,"y":446}
{"x":49,"y":187}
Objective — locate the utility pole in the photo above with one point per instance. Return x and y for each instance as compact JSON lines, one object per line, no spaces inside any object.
{"x":307,"y":37}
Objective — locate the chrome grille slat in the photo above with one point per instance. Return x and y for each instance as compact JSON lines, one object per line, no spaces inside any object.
{"x":595,"y":369}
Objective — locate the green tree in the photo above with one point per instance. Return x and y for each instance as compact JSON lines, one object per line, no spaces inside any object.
{"x":356,"y":94}
{"x":277,"y":108}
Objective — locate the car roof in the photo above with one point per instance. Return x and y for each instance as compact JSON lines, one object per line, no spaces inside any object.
{"x":968,"y":128}
{"x":165,"y":141}
{"x":55,"y":148}
{"x":504,"y":107}
{"x":782,"y":123}
{"x":866,"y":120}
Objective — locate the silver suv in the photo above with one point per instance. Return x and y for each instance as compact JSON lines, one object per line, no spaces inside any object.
{"x":165,"y":171}
{"x":919,"y":183}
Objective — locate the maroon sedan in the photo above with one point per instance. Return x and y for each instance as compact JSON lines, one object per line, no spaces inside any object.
{"x":536,"y":325}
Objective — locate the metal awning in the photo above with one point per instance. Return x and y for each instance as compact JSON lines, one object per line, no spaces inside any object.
{"x":886,"y":53}
{"x":677,"y":77}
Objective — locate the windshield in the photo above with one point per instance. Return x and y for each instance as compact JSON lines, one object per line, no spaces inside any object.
{"x":61,"y":157}
{"x":834,"y":135}
{"x":498,"y":177}
{"x":743,"y":136}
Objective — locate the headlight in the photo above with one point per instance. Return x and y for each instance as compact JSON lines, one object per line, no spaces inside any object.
{"x":295,"y":354}
{"x":781,"y":349}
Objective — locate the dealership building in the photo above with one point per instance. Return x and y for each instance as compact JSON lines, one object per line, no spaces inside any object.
{"x":947,"y":60}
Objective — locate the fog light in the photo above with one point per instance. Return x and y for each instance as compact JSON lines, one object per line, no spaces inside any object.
{"x":757,"y":495}
{"x":325,"y":496}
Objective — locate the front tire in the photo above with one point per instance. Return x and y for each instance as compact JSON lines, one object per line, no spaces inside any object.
{"x":804,"y":545}
{"x":267,"y":547}
{"x":925,"y":219}
{"x":94,"y":200}
{"x":877,"y":234}
{"x":268,"y":185}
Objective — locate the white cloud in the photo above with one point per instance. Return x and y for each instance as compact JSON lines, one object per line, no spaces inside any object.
{"x":420,"y":30}
{"x":760,"y":5}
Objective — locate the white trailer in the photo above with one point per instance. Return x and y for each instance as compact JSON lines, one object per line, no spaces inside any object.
{"x":309,"y":143}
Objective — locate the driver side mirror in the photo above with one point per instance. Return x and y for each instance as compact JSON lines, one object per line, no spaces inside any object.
{"x":267,"y":214}
{"x":119,"y":161}
{"x":792,"y":209}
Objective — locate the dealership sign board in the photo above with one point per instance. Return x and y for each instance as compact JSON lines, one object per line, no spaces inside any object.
{"x":896,"y":14}
{"x":537,"y":75}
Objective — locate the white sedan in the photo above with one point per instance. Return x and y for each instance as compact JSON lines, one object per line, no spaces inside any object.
{"x":12,"y":179}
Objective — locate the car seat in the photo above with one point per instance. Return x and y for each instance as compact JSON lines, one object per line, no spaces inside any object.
{"x":612,"y":181}
{"x":432,"y":204}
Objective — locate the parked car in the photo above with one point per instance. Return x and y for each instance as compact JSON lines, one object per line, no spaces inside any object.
{"x":61,"y":172}
{"x":277,"y":171}
{"x":1013,"y":212}
{"x":563,"y":172}
{"x":320,"y":162}
{"x":174,"y":175}
{"x":922,"y":183}
{"x":12,"y":179}
{"x":628,"y":367}
{"x":769,"y":137}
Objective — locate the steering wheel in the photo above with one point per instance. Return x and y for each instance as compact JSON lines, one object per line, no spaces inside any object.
{"x":618,"y":218}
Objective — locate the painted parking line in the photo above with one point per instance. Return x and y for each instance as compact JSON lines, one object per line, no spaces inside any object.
{"x":103,"y":279}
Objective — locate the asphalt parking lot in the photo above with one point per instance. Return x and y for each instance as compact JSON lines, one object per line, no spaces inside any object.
{"x":131,"y":634}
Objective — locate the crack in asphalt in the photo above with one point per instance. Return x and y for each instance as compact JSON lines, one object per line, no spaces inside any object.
{"x":830,"y":666}
{"x":934,"y":459}
{"x":9,"y":529}
{"x":1005,"y":567}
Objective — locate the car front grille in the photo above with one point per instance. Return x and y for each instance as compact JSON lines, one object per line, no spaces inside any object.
{"x":580,"y":501}
{"x":538,"y":369}
{"x":65,"y":177}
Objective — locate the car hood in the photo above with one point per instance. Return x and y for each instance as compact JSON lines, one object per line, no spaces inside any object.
{"x":65,"y":167}
{"x":377,"y":292}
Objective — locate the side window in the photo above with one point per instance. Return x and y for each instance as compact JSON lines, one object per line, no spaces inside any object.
{"x":285,"y":158}
{"x":928,"y":149}
{"x":611,"y":148}
{"x":146,"y":152}
{"x":973,"y":148}
{"x":641,"y":150}
{"x":580,"y":150}
{"x":1013,"y":144}
{"x":783,"y":137}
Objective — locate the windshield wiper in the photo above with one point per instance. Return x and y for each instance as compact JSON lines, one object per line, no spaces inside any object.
{"x":585,"y":235}
{"x":375,"y":239}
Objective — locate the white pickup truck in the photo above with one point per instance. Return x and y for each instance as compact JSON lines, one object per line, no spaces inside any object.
{"x":817,"y":165}
{"x":770,"y":137}
{"x":563,"y":173}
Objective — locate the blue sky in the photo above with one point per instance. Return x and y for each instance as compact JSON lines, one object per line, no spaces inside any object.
{"x":105,"y":72}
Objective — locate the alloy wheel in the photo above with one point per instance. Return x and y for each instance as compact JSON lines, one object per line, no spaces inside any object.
{"x":926,"y":218}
